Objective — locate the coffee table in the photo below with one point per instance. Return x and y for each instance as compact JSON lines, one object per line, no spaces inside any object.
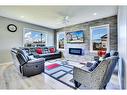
{"x":73,"y":63}
{"x":69,"y":62}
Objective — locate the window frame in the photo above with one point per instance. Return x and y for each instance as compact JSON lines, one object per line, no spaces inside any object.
{"x":58,"y":40}
{"x":35,"y":31}
{"x":108,"y":35}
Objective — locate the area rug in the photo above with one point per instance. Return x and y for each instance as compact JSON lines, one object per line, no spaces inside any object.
{"x":64,"y":74}
{"x":61,"y":72}
{"x":52,"y":66}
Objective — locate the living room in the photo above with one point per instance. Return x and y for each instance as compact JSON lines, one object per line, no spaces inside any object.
{"x":71,"y":47}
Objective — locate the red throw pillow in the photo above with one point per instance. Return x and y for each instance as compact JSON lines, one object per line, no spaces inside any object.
{"x":52,"y":50}
{"x":101,"y":53}
{"x":39,"y":50}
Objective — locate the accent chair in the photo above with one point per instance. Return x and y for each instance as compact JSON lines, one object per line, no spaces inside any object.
{"x":99,"y":77}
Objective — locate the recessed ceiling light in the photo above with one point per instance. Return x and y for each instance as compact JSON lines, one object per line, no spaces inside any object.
{"x":94,"y":14}
{"x":22,"y":16}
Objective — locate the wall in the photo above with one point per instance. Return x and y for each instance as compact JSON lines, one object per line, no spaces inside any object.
{"x":112,"y":21}
{"x":122,"y":44}
{"x":9,"y":40}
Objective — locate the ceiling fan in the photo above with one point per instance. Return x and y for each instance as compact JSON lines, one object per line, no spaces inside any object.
{"x":66,"y":19}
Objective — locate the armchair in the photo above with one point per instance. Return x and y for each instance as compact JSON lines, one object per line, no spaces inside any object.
{"x":98,"y":78}
{"x":27,"y":67}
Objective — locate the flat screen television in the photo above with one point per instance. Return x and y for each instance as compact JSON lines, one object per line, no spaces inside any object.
{"x":75,"y":37}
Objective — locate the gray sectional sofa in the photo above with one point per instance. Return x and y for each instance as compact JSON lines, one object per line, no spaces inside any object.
{"x":46,"y":53}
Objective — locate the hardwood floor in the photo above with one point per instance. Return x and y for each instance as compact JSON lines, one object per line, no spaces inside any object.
{"x":11,"y":79}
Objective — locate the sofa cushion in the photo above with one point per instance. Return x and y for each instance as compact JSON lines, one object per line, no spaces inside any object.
{"x":42,"y":55}
{"x":39,"y":50}
{"x":24,"y":54}
{"x":48,"y":54}
{"x":52,"y":50}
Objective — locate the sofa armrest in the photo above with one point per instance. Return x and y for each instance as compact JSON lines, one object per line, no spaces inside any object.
{"x":86,"y":69}
{"x":82,"y":76}
{"x":60,"y":53}
{"x":83,"y":70}
{"x":36,"y":61}
{"x":34,"y":53}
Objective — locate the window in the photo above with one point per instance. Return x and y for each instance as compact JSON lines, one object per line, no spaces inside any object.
{"x":60,"y":40}
{"x":34,"y":38}
{"x":99,"y":38}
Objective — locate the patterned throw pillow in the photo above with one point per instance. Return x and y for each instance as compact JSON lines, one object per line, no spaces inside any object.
{"x":46,"y":50}
{"x":107,"y":55}
{"x":115,"y":54}
{"x":93,"y":66}
{"x":112,"y":52}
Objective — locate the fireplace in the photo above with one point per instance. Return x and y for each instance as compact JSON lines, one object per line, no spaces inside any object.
{"x":75,"y":51}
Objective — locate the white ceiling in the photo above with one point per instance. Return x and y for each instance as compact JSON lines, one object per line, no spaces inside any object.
{"x":52,"y":16}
